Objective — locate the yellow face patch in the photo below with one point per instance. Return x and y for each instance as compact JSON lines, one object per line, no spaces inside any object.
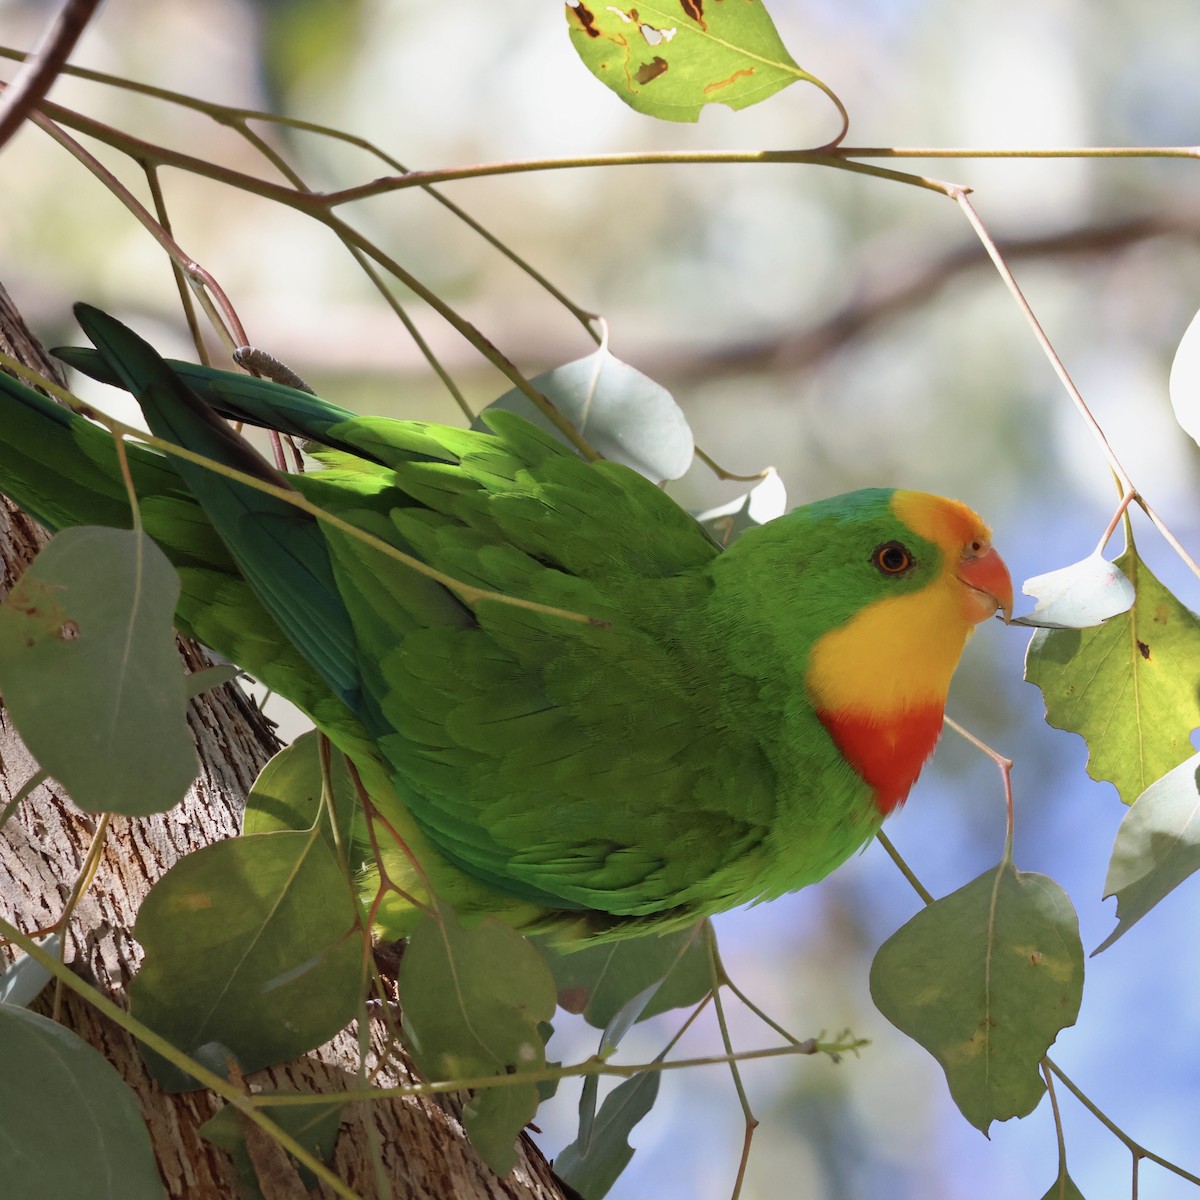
{"x":899,"y":653}
{"x":894,"y":655}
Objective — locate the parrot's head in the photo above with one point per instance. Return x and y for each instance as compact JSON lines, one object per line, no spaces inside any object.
{"x":975,"y":579}
{"x":895,"y":582}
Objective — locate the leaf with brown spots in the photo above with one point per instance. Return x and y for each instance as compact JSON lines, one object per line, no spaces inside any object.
{"x":984,"y":979}
{"x":669,"y":58}
{"x":93,"y":615}
{"x":1131,"y":688}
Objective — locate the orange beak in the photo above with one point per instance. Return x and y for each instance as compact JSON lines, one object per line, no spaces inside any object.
{"x":989,"y":583}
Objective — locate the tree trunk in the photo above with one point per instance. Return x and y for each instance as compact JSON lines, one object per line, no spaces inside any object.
{"x":43,"y":848}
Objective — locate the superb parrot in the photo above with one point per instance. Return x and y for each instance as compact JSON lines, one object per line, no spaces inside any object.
{"x":721,"y":728}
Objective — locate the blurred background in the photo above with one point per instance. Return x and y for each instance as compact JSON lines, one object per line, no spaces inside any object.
{"x":849,"y":331}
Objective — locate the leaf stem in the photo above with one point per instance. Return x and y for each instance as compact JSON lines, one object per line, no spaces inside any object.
{"x":1127,"y":496}
{"x":589,"y":1066}
{"x":1058,"y":1126}
{"x":83,"y":881}
{"x":468,"y":593}
{"x":751,"y":1121}
{"x":905,"y":870}
{"x":721,"y":473}
{"x":1039,"y":334}
{"x":1005,"y":765}
{"x":1124,"y":483}
{"x":22,"y":793}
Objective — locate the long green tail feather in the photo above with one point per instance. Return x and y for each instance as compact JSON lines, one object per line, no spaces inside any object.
{"x":62,"y":469}
{"x":278,"y":548}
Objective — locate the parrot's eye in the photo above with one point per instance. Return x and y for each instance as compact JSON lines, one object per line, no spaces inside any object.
{"x":892,"y":558}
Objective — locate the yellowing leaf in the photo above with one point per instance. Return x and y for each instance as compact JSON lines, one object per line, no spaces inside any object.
{"x":671,"y":59}
{"x":1130,"y":687}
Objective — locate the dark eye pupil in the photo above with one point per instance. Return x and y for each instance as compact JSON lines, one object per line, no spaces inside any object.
{"x":893,"y":558}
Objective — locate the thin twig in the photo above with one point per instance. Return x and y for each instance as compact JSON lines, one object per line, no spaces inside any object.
{"x":44,"y":65}
{"x":1135,"y":1147}
{"x":715,"y":972}
{"x":1058,"y":1126}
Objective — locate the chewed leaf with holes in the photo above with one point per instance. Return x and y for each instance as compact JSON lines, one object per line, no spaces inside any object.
{"x":1129,"y":687}
{"x":624,"y":415}
{"x":671,"y":59}
{"x":90,"y":674}
{"x":984,"y":979}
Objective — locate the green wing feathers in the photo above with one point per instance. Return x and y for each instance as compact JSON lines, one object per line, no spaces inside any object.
{"x":620,"y":767}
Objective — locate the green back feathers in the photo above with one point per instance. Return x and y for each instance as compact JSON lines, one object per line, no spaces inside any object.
{"x":661,"y":761}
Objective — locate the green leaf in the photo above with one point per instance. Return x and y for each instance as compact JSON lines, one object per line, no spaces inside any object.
{"x":1084,"y":594}
{"x":1063,"y":1188}
{"x":762,"y":503}
{"x":251,"y":951}
{"x":90,"y":674}
{"x":598,"y":980}
{"x":473,"y":1000}
{"x":1128,"y":687}
{"x":671,"y":59}
{"x":623,"y":414}
{"x":1157,"y":846}
{"x":984,"y":979}
{"x":314,"y":1126}
{"x":287,"y":792}
{"x":591,"y":1166}
{"x":494,"y":1118}
{"x":70,"y":1125}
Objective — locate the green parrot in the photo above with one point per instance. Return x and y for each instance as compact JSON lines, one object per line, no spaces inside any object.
{"x":719,"y":728}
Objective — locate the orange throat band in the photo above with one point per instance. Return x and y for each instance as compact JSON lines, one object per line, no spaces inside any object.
{"x":887,"y":754}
